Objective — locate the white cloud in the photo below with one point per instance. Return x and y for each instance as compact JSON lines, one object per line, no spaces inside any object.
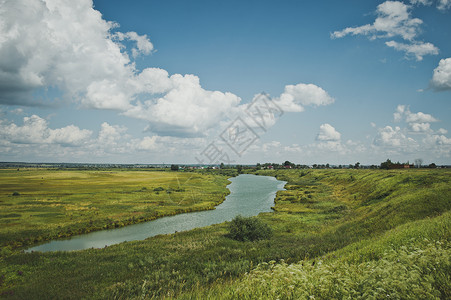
{"x":271,"y":146}
{"x":398,"y":115}
{"x":419,"y":117}
{"x":441,"y":80}
{"x":186,"y":109}
{"x":328,"y":133}
{"x":143,"y":45}
{"x":417,"y":137}
{"x":439,"y":139}
{"x":35,"y":130}
{"x":393,"y":19}
{"x":444,"y":4}
{"x":441,"y":4}
{"x":65,"y":44}
{"x":417,"y":49}
{"x":423,"y":2}
{"x":403,"y":113}
{"x":109,"y":135}
{"x":420,"y":127}
{"x":393,"y":137}
{"x":148,"y":143}
{"x":295,"y":97}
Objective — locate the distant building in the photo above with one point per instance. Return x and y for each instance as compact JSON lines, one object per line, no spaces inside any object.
{"x":401,"y":166}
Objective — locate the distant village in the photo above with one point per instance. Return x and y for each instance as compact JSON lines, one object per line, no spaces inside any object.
{"x":388,"y":165}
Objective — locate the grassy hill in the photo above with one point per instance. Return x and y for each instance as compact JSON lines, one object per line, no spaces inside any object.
{"x":336,"y":234}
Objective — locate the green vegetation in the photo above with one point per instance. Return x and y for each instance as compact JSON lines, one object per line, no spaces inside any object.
{"x":336,"y":234}
{"x":248,"y":229}
{"x":39,"y":205}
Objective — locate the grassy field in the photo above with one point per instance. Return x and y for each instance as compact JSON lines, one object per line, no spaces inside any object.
{"x":336,"y":234}
{"x":38,"y":205}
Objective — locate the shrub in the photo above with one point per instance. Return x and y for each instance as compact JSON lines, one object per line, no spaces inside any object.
{"x":16,"y":194}
{"x":248,"y":229}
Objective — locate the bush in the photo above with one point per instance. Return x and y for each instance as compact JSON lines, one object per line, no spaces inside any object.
{"x":16,"y":194}
{"x":248,"y":229}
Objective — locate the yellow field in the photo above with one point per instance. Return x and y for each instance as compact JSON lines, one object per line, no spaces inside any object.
{"x":38,"y":204}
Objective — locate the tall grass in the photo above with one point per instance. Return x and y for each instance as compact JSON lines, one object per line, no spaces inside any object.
{"x":336,"y":234}
{"x":39,"y":205}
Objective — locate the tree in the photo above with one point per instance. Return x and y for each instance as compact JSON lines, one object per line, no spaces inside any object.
{"x":357,"y":165}
{"x":174,"y":167}
{"x":239,"y":168}
{"x":418,"y":162}
{"x":386,"y":165}
{"x":432,"y":166}
{"x":248,"y":229}
{"x":221,"y":166}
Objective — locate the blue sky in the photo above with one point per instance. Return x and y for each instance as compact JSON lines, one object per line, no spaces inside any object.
{"x":159,"y":81}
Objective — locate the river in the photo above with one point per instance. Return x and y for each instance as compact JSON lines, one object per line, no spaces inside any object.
{"x":249,"y":196}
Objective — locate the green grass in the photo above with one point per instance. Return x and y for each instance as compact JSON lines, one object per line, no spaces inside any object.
{"x":53,"y":204}
{"x":410,"y":262}
{"x":354,"y":224}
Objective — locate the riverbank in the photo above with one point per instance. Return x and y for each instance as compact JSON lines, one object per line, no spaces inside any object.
{"x":249,"y":196}
{"x":326,"y":219}
{"x":38,"y":205}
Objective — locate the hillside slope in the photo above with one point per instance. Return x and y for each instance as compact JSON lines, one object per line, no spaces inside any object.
{"x":336,"y":234}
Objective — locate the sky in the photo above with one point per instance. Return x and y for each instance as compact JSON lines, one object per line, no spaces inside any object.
{"x":238,"y":82}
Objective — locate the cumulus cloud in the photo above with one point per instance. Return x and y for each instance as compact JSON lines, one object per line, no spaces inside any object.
{"x":56,"y":43}
{"x":423,"y":2}
{"x":420,"y":127}
{"x":328,"y":133}
{"x":417,"y":49}
{"x":444,"y":4}
{"x":393,"y":137}
{"x":441,"y":4}
{"x":417,"y":136}
{"x":419,"y":117}
{"x":109,"y":135}
{"x":35,"y":130}
{"x":403,"y":113}
{"x":67,"y":44}
{"x":143,"y":45}
{"x":186,"y":109}
{"x":441,"y":79}
{"x":394,"y":20}
{"x":438,"y":139}
{"x":296,"y":97}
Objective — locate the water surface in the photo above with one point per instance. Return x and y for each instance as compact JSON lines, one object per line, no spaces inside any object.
{"x":249,"y":196}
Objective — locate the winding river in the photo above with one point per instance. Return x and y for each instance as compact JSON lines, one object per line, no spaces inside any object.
{"x":249,"y":196}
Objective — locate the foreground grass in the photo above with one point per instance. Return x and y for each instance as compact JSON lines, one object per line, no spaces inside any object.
{"x":334,"y":234}
{"x":412,"y":261}
{"x":39,"y":205}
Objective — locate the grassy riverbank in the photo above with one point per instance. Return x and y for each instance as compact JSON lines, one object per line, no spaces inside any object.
{"x":336,"y":233}
{"x":38,"y":205}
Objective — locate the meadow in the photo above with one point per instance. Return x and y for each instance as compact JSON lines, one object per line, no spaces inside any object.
{"x":37,"y":205}
{"x":336,"y":234}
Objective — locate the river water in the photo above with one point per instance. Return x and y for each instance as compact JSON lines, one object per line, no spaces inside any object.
{"x":249,"y":196}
